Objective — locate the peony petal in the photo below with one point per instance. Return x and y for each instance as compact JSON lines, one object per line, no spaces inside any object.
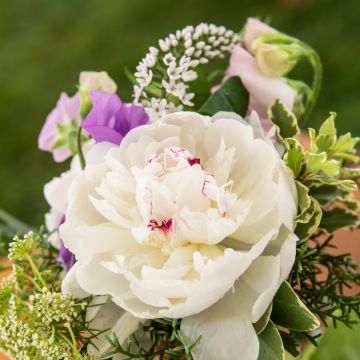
{"x":71,"y":285}
{"x":224,"y":331}
{"x":256,"y":288}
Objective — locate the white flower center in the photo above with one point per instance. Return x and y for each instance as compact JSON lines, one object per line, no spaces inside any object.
{"x":181,"y":202}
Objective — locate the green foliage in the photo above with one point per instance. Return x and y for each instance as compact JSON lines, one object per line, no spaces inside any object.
{"x":290,"y":343}
{"x":337,"y":343}
{"x":284,"y":120}
{"x":320,"y":279}
{"x":325,"y":185}
{"x":261,"y":324}
{"x":339,"y":218}
{"x":232,"y":96}
{"x":271,"y":346}
{"x":36,"y":318}
{"x":162,"y":338}
{"x":294,"y":156}
{"x":290,"y":313}
{"x":200,"y":87}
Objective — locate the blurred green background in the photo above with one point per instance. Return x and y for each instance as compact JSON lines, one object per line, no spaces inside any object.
{"x":45,"y":44}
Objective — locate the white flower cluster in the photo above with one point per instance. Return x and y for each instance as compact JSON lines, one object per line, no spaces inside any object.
{"x":20,"y":247}
{"x":20,"y":338}
{"x":25,"y":339}
{"x":170,"y":68}
{"x":54,"y":307}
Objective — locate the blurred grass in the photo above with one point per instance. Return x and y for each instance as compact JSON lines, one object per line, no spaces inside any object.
{"x":45,"y":44}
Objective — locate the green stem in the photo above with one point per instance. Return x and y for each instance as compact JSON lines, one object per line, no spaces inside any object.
{"x":34,"y":282}
{"x":79,"y":148}
{"x":315,"y":62}
{"x":36,"y":270}
{"x":72,"y":338}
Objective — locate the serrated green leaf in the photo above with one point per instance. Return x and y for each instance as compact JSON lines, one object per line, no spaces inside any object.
{"x":318,"y":162}
{"x":305,"y":230}
{"x":304,"y":203}
{"x":284,"y":120}
{"x":271,"y":346}
{"x":347,"y":185}
{"x":326,"y":137}
{"x":312,"y":137}
{"x":290,"y":312}
{"x":291,"y":344}
{"x":345,"y":143}
{"x":338,"y":218}
{"x":232,"y":96}
{"x":326,"y":193}
{"x":353,"y":172}
{"x":324,"y":143}
{"x":294,"y":156}
{"x":261,"y":324}
{"x":327,"y":128}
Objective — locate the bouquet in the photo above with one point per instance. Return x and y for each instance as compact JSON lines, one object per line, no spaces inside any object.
{"x":195,"y":222}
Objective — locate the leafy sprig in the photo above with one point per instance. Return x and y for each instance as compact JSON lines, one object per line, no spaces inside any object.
{"x":159,"y":338}
{"x":36,"y":319}
{"x":325,"y":182}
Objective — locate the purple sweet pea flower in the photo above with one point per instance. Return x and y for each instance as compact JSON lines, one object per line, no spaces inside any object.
{"x":66,"y":257}
{"x":110,"y":119}
{"x":66,"y":110}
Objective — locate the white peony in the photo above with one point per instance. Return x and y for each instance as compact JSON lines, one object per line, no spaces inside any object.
{"x":190,"y":217}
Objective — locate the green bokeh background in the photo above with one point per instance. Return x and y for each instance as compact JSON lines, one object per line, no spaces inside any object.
{"x":45,"y":44}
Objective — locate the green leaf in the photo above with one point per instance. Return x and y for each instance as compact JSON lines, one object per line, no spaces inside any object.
{"x":326,"y":193}
{"x":327,"y":128}
{"x":305,"y":230}
{"x":261,"y":324}
{"x":232,"y":96}
{"x":337,"y":343}
{"x":290,"y":312}
{"x":284,"y":120}
{"x":271,"y":346}
{"x":327,"y":134}
{"x":338,"y":218}
{"x":347,"y":185}
{"x":345,"y":143}
{"x":319,"y":162}
{"x":353,"y":172}
{"x":294,"y":156}
{"x":200,"y":87}
{"x":291,"y":344}
{"x":304,"y":203}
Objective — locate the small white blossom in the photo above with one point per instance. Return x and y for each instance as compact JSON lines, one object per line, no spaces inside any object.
{"x":189,"y":75}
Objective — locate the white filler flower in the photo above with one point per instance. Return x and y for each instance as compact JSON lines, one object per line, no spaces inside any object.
{"x":190,"y":217}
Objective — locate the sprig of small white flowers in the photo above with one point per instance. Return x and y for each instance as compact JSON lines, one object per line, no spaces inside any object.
{"x":164,"y":74}
{"x":20,"y":247}
{"x":35,"y":322}
{"x":52,"y":307}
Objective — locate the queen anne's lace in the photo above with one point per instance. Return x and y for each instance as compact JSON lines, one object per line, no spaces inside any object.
{"x":164,"y":74}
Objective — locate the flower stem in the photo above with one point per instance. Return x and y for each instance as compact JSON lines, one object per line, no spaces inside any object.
{"x":315,"y":62}
{"x":36,"y":270}
{"x":68,"y":326}
{"x":79,"y":147}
